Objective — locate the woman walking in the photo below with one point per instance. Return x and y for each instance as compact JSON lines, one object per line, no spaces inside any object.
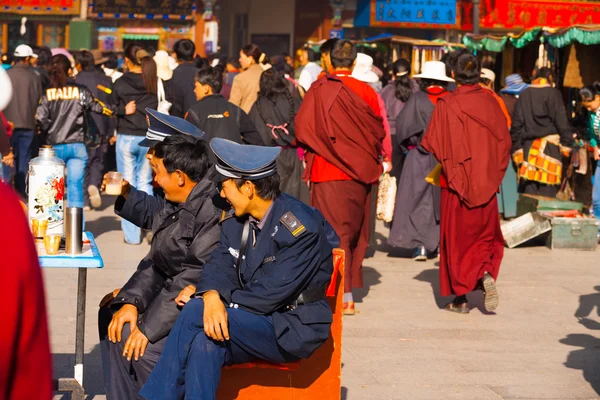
{"x":245,"y":87}
{"x":417,"y":217}
{"x":62,"y":113}
{"x":140,"y":84}
{"x":395,"y":95}
{"x":590,"y":100}
{"x":273,"y":115}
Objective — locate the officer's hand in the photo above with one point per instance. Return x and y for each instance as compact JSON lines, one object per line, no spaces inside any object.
{"x":136,"y":345}
{"x":130,"y":108}
{"x":215,"y":317}
{"x":109,"y":297}
{"x":127,"y":314}
{"x":185,"y":294}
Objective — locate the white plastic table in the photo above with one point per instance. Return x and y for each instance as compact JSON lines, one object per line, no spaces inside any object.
{"x":90,"y":258}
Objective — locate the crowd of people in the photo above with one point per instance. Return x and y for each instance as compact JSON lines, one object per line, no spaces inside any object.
{"x":297,"y":162}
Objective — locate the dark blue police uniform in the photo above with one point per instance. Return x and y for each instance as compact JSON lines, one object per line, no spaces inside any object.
{"x":276,"y":300}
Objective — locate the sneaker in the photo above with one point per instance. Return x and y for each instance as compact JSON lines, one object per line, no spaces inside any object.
{"x":95,"y":199}
{"x":348,"y":308}
{"x":420,"y":254}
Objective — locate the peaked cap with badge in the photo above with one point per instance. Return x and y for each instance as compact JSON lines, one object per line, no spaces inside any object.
{"x":239,"y":161}
{"x":161,"y":126}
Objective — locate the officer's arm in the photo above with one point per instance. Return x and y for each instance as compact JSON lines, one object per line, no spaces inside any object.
{"x":219,"y":273}
{"x":295,"y":265}
{"x":158,"y":320}
{"x":139,"y":208}
{"x":141,"y":289}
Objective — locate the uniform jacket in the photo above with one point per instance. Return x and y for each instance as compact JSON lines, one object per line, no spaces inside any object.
{"x":245,"y":88}
{"x":27,"y":91}
{"x":91,"y":80}
{"x":184,"y":236}
{"x":279,"y":267}
{"x":63,"y":113}
{"x":219,"y":118}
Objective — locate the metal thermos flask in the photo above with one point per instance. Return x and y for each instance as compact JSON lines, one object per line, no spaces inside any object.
{"x":73,"y":230}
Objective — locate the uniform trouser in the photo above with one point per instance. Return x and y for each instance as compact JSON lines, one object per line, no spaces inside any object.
{"x":190,"y":366}
{"x":94,"y":171}
{"x":124,"y":379}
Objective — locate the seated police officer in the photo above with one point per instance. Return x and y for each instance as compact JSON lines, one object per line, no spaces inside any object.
{"x":262,"y":294}
{"x":135,"y":320}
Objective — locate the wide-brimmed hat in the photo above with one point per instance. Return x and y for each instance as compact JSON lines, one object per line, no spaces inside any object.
{"x":99,"y":59}
{"x":514,"y":84}
{"x":163,"y":70}
{"x":363,"y":70}
{"x":435,"y":70}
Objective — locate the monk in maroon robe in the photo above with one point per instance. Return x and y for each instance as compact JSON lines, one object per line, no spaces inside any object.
{"x":340,"y":126}
{"x":469,"y":137}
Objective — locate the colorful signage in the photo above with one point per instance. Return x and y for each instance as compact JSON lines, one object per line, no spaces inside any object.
{"x":414,"y":13}
{"x":148,"y":9}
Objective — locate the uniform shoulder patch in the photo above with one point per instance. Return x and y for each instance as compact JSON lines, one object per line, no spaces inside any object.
{"x":293,"y":224}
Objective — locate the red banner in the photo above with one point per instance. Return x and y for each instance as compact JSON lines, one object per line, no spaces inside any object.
{"x":522,"y":14}
{"x":40,"y":6}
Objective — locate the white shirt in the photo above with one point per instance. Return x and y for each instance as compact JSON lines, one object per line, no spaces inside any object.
{"x":309,"y":74}
{"x":112,"y":74}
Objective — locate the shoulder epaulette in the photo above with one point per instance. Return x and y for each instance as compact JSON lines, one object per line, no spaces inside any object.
{"x":293,"y":224}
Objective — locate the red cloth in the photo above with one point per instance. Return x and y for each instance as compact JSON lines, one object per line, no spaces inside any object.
{"x":471,"y":243}
{"x":7,"y":126}
{"x":25,"y":360}
{"x":337,"y":125}
{"x":468,"y":135}
{"x":347,"y":207}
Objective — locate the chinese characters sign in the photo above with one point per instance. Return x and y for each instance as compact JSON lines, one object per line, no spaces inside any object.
{"x":414,"y":13}
{"x":158,"y":8}
{"x":40,"y":6}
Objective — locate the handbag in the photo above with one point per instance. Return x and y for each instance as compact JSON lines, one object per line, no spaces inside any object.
{"x":386,"y":198}
{"x":163,"y":105}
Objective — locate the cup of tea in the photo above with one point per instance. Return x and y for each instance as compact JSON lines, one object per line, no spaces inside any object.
{"x":52,"y":244}
{"x":39,"y":227}
{"x":114,"y":183}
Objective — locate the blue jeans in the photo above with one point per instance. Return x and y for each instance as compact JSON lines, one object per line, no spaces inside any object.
{"x":132,"y":163}
{"x":191,"y":362}
{"x":75,"y":157}
{"x":596,"y":192}
{"x":5,"y":173}
{"x":22,"y":142}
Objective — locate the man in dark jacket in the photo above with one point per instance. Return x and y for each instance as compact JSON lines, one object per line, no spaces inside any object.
{"x":98,"y":125}
{"x":272,"y":305}
{"x":216,"y":116}
{"x":183,"y":75}
{"x":541,"y":136}
{"x":21,"y":112}
{"x":134,"y":325}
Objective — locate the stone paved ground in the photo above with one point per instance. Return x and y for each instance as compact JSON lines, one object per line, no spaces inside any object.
{"x":543,"y":343}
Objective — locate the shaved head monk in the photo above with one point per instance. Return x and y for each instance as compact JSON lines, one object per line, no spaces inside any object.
{"x":468,"y":135}
{"x":340,"y":124}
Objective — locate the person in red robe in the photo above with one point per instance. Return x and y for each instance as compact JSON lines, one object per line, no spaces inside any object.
{"x":340,"y":125}
{"x":469,"y":136}
{"x":25,"y":360}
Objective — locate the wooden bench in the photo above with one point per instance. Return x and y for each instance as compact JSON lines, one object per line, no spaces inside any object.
{"x":318,"y":377}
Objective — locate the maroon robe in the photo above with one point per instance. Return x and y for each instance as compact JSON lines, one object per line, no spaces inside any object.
{"x":469,"y":137}
{"x":338,"y":125}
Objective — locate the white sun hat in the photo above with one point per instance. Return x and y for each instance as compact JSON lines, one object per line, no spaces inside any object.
{"x":164,"y":72}
{"x":435,"y":70}
{"x":363,"y":70}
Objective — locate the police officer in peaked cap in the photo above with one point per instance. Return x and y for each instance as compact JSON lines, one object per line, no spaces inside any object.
{"x":262,"y":294}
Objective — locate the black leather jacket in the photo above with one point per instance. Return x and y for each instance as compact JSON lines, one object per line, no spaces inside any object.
{"x":184,"y":237}
{"x":63,"y":113}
